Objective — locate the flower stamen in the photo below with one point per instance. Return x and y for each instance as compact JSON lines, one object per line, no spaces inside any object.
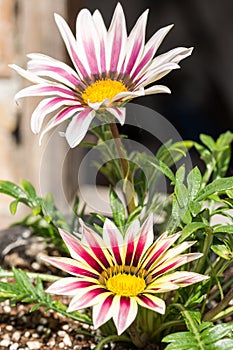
{"x":126,"y":285}
{"x":102,"y":89}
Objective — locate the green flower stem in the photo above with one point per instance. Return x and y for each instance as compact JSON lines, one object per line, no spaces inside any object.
{"x":223,"y":314}
{"x":112,"y":338}
{"x":137,"y":338}
{"x":210,"y":315}
{"x":42,"y":276}
{"x":129,"y":190}
{"x":167,"y":325}
{"x":206,"y":247}
{"x":224,"y":287}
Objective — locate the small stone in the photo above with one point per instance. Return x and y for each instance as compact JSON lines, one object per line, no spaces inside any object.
{"x":66,"y":340}
{"x":5,"y":343}
{"x":51,"y":343}
{"x":40,"y":328}
{"x":35,"y":335}
{"x":36,"y":266}
{"x":7,"y":309}
{"x":6,"y":336}
{"x":14,"y":346}
{"x":61,"y":345}
{"x":33,"y":345}
{"x":65,"y":327}
{"x":43,"y":321}
{"x":9,"y":328}
{"x":27,"y":334}
{"x":16,"y":336}
{"x":61,"y":334}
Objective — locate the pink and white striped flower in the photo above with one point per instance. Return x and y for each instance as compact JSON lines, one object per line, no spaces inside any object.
{"x":116,"y":274}
{"x":110,"y":69}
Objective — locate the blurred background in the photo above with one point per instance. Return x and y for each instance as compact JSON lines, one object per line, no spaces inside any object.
{"x":202,"y":91}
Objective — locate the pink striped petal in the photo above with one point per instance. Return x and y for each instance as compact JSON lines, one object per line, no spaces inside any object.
{"x":60,"y":117}
{"x":102,"y":31}
{"x":163,"y":287}
{"x":118,"y":113}
{"x":125,"y":312}
{"x":113,"y":240}
{"x":181,"y":278}
{"x":145,"y":240}
{"x":96,"y":244}
{"x":46,"y":107}
{"x":88,"y":40}
{"x":78,"y":252}
{"x":55,"y":71}
{"x":152,"y":302}
{"x":174,"y":55}
{"x":72,"y":47}
{"x":45,"y":90}
{"x":156,"y":74}
{"x":131,"y":239}
{"x":78,"y":127}
{"x":69,"y":286}
{"x":173,"y":252}
{"x":174,"y":263}
{"x":116,"y":41}
{"x":102,"y":312}
{"x":158,"y":249}
{"x":71,"y":266}
{"x":149,"y":51}
{"x":135,"y":44}
{"x":88,"y":297}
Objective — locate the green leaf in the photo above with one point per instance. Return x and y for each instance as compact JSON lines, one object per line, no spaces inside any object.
{"x":29,"y":189}
{"x":181,"y":195}
{"x":223,"y":344}
{"x":224,"y":140}
{"x":189,"y":229}
{"x":11,"y":189}
{"x":180,"y":174}
{"x":165,"y":170}
{"x":118,"y":209}
{"x":222,"y":251}
{"x":215,"y":333}
{"x":14,"y":206}
{"x":194,"y":180}
{"x":224,"y":229}
{"x":195,"y":208}
{"x":201,"y":336}
{"x":220,"y":185}
{"x":208,"y":141}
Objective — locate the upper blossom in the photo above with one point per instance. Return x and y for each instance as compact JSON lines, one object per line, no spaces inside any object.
{"x":111,"y":68}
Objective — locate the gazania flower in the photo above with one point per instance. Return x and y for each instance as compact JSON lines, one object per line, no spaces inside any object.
{"x":111,"y":69}
{"x":115,"y":274}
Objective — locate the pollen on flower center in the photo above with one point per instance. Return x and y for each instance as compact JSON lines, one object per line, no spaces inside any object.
{"x":126,"y":285}
{"x":102,"y":89}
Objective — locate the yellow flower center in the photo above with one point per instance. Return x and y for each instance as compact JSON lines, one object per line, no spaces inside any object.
{"x":126,"y":285}
{"x":102,"y":89}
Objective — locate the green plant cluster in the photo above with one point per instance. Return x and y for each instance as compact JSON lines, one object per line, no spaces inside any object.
{"x":199,"y":206}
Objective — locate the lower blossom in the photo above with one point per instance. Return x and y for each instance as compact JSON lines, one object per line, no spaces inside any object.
{"x":115,"y":274}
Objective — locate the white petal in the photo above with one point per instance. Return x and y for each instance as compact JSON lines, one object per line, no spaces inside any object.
{"x":78,"y":127}
{"x":157,"y":89}
{"x":66,"y":113}
{"x":116,"y":40}
{"x":118,"y":113}
{"x":27,"y":75}
{"x":125,"y":312}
